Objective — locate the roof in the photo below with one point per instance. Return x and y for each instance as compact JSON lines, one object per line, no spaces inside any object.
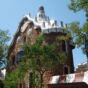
{"x":70,"y":78}
{"x":46,"y":25}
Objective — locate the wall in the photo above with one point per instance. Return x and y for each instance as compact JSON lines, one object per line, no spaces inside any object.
{"x":70,"y":85}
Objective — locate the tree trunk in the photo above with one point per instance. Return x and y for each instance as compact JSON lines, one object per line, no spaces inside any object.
{"x":1,"y":84}
{"x":41,"y":80}
{"x":30,"y":80}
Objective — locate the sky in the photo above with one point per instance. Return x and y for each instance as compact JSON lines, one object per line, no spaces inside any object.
{"x":11,"y":12}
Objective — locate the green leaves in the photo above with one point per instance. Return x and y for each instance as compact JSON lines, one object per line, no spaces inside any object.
{"x":11,"y":80}
{"x":77,"y":5}
{"x":4,"y":38}
{"x":73,"y":5}
{"x":85,"y":27}
{"x":79,"y":35}
{"x":38,"y":58}
{"x":42,"y":56}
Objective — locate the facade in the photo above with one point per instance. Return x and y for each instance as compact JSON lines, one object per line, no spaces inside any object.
{"x":28,"y":30}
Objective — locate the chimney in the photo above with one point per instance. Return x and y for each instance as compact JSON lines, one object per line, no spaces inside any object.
{"x":62,"y":24}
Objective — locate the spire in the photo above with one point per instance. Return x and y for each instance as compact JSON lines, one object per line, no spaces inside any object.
{"x":41,"y":9}
{"x":41,"y":14}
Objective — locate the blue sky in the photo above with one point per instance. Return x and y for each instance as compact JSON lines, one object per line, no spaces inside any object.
{"x":11,"y":12}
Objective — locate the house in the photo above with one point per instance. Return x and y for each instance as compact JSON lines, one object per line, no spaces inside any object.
{"x":29,"y":29}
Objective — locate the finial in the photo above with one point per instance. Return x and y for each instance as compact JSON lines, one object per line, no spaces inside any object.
{"x":61,"y":23}
{"x":41,"y":8}
{"x":30,"y":14}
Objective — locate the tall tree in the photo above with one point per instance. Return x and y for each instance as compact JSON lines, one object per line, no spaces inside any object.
{"x":4,"y":38}
{"x":77,"y":5}
{"x":80,"y":32}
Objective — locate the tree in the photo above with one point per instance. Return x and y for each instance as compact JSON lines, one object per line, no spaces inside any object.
{"x":42,"y":57}
{"x":4,"y":38}
{"x":77,"y":5}
{"x":15,"y":78}
{"x":37,"y":58}
{"x":80,"y":33}
{"x":11,"y":79}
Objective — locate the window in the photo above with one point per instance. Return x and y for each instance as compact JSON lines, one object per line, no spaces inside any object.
{"x":19,"y":55}
{"x":63,"y":46}
{"x":66,"y":70}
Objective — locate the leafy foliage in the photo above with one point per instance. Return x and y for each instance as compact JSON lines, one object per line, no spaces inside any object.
{"x":14,"y":78}
{"x":4,"y":38}
{"x":77,"y":5}
{"x":79,"y":35}
{"x":75,"y":32}
{"x":11,"y":80}
{"x":42,"y":57}
{"x":39,"y":58}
